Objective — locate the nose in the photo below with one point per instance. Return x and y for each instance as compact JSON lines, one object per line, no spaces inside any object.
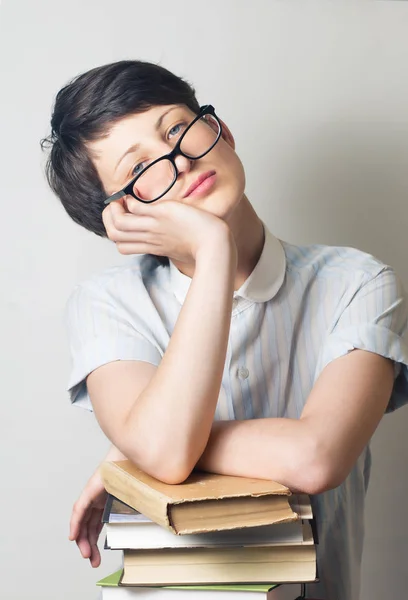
{"x":183,"y":164}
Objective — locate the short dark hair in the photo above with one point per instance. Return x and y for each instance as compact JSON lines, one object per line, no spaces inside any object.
{"x":84,"y":111}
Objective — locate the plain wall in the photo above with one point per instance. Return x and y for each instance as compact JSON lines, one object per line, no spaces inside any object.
{"x":316,"y":94}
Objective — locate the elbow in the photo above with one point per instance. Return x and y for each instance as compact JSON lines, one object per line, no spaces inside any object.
{"x":318,"y":472}
{"x":175,"y":469}
{"x":317,"y":477}
{"x":161,"y":461}
{"x":171,"y":467}
{"x":166,"y":469}
{"x":172,"y":475}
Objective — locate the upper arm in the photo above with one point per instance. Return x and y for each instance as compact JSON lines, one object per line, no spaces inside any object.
{"x":362,"y":371}
{"x":343,"y":410}
{"x":102,"y":335}
{"x":113,"y":389}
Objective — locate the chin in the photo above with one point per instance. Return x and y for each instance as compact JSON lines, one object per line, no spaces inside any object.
{"x":222,"y":204}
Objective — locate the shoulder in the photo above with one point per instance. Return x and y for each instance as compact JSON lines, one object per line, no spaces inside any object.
{"x":323,"y":261}
{"x":114,"y":285}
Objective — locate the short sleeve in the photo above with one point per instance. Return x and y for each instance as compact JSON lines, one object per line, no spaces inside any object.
{"x":100,"y":332}
{"x":376,"y":320}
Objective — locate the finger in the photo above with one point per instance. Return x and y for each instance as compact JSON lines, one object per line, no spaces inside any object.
{"x":83,"y":541}
{"x":128,"y":248}
{"x":107,"y":217}
{"x":135,"y":223}
{"x":131,"y":221}
{"x":118,"y":206}
{"x":127,"y":205}
{"x":133,"y":236}
{"x":95,"y":558}
{"x":80,"y":513}
{"x":95,"y":526}
{"x":113,"y":211}
{"x":121,"y":222}
{"x":138,"y":208}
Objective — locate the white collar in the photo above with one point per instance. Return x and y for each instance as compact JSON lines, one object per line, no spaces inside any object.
{"x":262,"y":284}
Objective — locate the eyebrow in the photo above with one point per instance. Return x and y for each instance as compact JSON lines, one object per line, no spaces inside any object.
{"x":135,"y":147}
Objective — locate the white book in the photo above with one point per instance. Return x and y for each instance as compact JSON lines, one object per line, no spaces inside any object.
{"x":149,"y":536}
{"x":282,"y":592}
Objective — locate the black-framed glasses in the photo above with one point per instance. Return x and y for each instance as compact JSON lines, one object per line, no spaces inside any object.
{"x":195,"y":141}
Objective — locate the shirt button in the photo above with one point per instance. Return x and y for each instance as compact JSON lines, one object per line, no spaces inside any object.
{"x":243,"y":373}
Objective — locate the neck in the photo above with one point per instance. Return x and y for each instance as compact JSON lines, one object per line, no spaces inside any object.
{"x":249,"y":237}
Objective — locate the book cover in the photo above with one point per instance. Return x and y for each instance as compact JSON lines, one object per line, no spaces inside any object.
{"x":116,"y":511}
{"x":204,"y":502}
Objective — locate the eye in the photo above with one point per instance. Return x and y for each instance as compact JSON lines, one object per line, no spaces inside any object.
{"x":177,"y":129}
{"x":138,"y":168}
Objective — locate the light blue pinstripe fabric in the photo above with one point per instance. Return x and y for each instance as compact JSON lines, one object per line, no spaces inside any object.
{"x":301,"y":308}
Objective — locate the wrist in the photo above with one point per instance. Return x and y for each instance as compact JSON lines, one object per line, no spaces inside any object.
{"x":220,"y":246}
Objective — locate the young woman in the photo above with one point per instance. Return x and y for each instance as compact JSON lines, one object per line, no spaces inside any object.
{"x":217,"y":346}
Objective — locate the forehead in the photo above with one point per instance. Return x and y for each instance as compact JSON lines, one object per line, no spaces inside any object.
{"x":136,"y":128}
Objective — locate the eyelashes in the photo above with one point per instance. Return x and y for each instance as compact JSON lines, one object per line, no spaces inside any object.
{"x":175,"y":131}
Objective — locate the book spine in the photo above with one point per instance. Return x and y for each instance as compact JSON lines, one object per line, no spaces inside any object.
{"x":107,"y":509}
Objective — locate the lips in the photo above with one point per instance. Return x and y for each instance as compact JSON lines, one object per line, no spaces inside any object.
{"x":198,"y":181}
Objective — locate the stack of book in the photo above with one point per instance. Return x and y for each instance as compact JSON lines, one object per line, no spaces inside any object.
{"x":213,"y":534}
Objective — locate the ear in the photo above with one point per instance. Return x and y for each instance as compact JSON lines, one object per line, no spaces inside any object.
{"x":227,"y":135}
{"x":225,"y":132}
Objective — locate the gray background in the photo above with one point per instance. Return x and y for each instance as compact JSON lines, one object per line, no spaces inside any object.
{"x":316,"y":94}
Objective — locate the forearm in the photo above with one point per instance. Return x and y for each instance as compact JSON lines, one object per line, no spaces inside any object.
{"x":282,"y":450}
{"x":171,"y":421}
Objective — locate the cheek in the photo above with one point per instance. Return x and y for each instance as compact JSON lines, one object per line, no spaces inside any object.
{"x":232,"y":186}
{"x":227,"y":159}
{"x":234,"y":169}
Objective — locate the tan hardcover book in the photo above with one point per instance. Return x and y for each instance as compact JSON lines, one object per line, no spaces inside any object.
{"x":201,"y":566}
{"x":204,"y":502}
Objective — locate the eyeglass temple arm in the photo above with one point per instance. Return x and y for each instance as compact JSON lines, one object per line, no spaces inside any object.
{"x":115,"y":197}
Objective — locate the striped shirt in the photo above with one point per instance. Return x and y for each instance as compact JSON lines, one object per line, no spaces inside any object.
{"x":301,"y":307}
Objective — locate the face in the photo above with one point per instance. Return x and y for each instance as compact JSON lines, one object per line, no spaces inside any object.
{"x":136,"y":140}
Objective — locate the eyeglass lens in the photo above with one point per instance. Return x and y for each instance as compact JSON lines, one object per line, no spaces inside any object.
{"x":158,"y":178}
